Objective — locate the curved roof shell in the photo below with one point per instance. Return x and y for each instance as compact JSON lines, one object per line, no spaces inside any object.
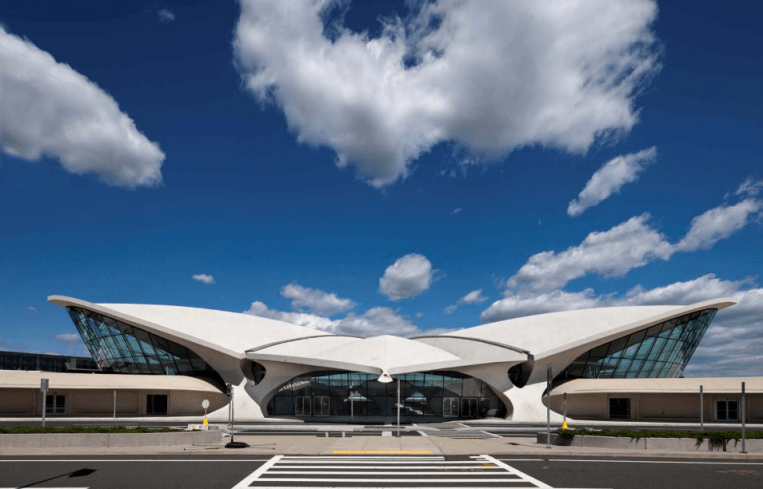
{"x":557,"y":338}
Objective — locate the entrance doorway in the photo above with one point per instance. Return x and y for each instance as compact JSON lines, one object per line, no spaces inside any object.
{"x":321,"y":406}
{"x":727,"y":410}
{"x":469,"y":406}
{"x":156,"y":404}
{"x":55,"y":404}
{"x":450,"y":407}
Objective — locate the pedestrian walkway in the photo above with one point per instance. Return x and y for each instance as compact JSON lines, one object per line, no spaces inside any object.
{"x":387,"y":471}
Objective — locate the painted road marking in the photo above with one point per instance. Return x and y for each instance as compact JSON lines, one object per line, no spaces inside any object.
{"x":382,"y":452}
{"x":257,"y":473}
{"x":383,"y":471}
{"x":19,"y":460}
{"x":654,"y":462}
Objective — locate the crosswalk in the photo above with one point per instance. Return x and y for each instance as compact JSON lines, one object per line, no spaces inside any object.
{"x":463,"y":434}
{"x":387,"y":471}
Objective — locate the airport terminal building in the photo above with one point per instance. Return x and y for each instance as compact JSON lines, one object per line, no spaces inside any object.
{"x":609,"y":363}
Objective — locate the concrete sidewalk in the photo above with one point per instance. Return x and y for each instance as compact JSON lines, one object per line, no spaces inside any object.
{"x":405,"y":445}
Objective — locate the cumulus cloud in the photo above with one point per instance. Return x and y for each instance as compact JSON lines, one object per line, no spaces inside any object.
{"x":203,"y":277}
{"x":611,"y":253}
{"x":315,"y":300}
{"x":374,"y":322}
{"x":166,"y":16}
{"x":473,"y":297}
{"x":408,"y":277}
{"x":718,"y":223}
{"x":750,"y":187}
{"x":489,"y":77}
{"x":610,"y":178}
{"x":68,"y":337}
{"x":516,"y":305}
{"x":731,"y":346}
{"x":49,"y":110}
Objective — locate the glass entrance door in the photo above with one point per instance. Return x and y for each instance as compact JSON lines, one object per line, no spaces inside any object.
{"x":469,"y":407}
{"x":55,"y":404}
{"x":727,"y":410}
{"x":450,"y":407}
{"x":302,"y":406}
{"x":321,"y":406}
{"x":156,"y":404}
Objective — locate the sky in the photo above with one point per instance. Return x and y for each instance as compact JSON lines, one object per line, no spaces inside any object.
{"x":382,"y":167}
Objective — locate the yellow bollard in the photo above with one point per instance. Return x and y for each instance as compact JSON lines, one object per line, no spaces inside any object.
{"x":564,"y":425}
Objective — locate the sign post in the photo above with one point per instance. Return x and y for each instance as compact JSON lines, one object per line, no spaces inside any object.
{"x":744,"y":448}
{"x":398,"y":408}
{"x":352,"y":403}
{"x":205,"y":405}
{"x":115,"y":404}
{"x":44,"y":388}
{"x":548,"y":405}
{"x":701,"y":409}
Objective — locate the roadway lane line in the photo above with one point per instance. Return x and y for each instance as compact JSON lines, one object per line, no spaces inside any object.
{"x":244,"y":484}
{"x":655,"y":462}
{"x":133,"y":460}
{"x":525,"y":477}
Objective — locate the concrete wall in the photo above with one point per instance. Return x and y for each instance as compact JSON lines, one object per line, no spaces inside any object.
{"x":17,"y":402}
{"x":656,"y":406}
{"x":100,"y":402}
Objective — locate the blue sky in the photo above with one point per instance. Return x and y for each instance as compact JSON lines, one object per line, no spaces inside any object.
{"x":382,"y":167}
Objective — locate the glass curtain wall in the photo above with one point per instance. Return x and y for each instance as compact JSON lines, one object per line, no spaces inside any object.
{"x":122,"y":348}
{"x":660,"y":351}
{"x":432,"y":394}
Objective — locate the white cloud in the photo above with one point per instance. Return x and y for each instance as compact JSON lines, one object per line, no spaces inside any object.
{"x":611,"y":253}
{"x":49,"y":110}
{"x":420,"y":315}
{"x":68,"y":337}
{"x":718,"y":223}
{"x":203,"y":277}
{"x":731,"y":346}
{"x":527,"y":304}
{"x":491,"y":78}
{"x":166,"y":16}
{"x":610,"y":178}
{"x":750,"y":188}
{"x":31,"y":308}
{"x":408,"y":277}
{"x":375,"y":321}
{"x":473,"y":297}
{"x":299,"y":318}
{"x":455,"y":211}
{"x":315,"y":300}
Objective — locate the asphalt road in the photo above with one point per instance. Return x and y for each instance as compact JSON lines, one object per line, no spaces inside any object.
{"x":224,"y":470}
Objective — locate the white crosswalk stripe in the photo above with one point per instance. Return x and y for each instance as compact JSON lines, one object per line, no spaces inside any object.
{"x":478,"y":471}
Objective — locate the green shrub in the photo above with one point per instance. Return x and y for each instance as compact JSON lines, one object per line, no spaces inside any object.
{"x":715,"y":438}
{"x":83,"y":429}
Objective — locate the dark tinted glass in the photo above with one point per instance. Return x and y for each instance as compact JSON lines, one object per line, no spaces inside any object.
{"x":662,"y":350}
{"x":123,"y":348}
{"x":360,"y":394}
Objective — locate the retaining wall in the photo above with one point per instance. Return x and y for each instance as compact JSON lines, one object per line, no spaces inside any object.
{"x":108,"y":440}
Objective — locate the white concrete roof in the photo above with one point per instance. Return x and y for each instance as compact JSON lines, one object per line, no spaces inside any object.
{"x":23,"y":379}
{"x":225,"y":331}
{"x":380,"y":354}
{"x":712,"y":385}
{"x":544,"y":334}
